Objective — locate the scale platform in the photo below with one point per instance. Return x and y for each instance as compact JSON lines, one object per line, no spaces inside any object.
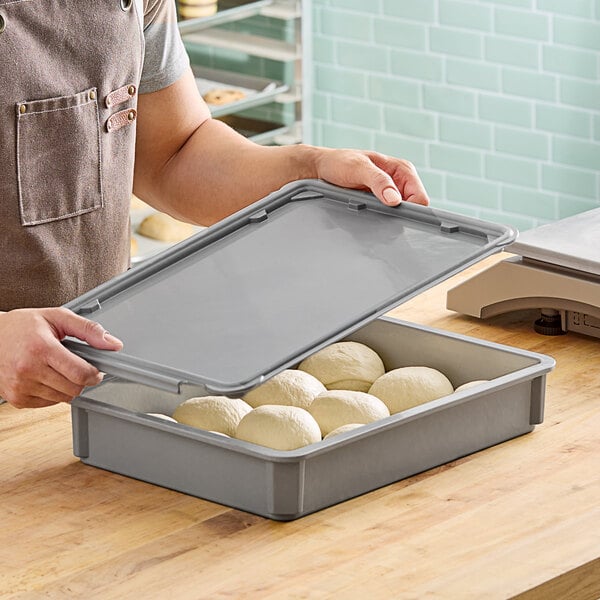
{"x":556,"y":268}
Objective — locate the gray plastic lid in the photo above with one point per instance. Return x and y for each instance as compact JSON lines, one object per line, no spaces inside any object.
{"x":275,"y":282}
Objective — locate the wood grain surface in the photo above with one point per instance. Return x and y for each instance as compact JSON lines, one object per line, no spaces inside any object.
{"x":522,"y":517}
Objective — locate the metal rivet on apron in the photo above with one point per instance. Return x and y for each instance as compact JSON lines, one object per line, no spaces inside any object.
{"x":131,"y":90}
{"x":92,"y":95}
{"x":23,"y":108}
{"x":131,"y":115}
{"x":2,"y":23}
{"x":126,"y":4}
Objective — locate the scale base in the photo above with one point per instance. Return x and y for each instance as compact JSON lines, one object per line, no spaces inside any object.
{"x":518,"y":283}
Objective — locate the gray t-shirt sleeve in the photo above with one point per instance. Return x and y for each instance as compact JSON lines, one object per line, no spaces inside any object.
{"x":165,"y":57}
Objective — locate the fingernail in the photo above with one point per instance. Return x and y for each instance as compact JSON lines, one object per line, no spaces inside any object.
{"x":391,"y":196}
{"x":95,"y":379}
{"x":111,"y":339}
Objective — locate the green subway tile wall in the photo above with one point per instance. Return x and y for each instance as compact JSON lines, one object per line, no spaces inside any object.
{"x":497,"y":102}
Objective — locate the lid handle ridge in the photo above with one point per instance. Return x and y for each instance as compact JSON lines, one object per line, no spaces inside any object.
{"x":124,"y":367}
{"x":90,"y":307}
{"x":259,"y":216}
{"x":308,"y":195}
{"x":449,"y":227}
{"x":356,"y":205}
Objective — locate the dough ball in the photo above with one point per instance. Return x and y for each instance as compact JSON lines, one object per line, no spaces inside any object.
{"x":214,"y":413}
{"x":161,"y":416}
{"x":345,"y":366}
{"x":343,"y":429}
{"x":470,"y":384}
{"x":406,"y":387}
{"x":220,"y":96}
{"x":279,"y":427}
{"x":335,"y":408}
{"x":163,"y":227}
{"x":290,"y":387}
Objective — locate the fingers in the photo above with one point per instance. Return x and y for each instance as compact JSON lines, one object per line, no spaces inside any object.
{"x":76,"y":372}
{"x":378,"y":181}
{"x":66,"y":322}
{"x":404,"y":177}
{"x":47,"y":388}
{"x":392,"y":180}
{"x":35,"y":368}
{"x":33,"y":380}
{"x":48,"y":394}
{"x":412,"y":187}
{"x":63,"y":389}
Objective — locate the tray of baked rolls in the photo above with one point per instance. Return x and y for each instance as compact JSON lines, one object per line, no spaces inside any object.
{"x":226,"y":92}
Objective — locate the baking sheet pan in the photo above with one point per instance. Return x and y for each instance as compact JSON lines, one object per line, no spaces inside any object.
{"x":257,"y":90}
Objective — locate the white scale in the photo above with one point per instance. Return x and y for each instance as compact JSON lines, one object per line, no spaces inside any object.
{"x":556,"y":269}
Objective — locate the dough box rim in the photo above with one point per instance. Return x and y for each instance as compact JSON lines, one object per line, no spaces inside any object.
{"x":543,"y":365}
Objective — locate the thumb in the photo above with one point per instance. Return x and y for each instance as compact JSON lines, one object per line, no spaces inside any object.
{"x":66,"y":322}
{"x":390,"y":195}
{"x":381,"y":184}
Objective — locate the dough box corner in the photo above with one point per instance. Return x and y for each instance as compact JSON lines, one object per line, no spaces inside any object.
{"x":264,"y":318}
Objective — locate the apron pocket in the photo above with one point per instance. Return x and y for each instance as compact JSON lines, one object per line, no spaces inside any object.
{"x":59,"y":167}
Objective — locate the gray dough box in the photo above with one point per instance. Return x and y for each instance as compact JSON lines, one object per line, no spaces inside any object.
{"x":227,"y":309}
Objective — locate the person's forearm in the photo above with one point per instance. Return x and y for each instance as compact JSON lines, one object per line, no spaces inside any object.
{"x":231,"y":173}
{"x":198,"y":169}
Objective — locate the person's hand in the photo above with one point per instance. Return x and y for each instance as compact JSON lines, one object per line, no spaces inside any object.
{"x":35,"y":368}
{"x":390,"y":179}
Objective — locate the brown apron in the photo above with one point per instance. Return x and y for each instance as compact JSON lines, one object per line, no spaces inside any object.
{"x":69,"y":73}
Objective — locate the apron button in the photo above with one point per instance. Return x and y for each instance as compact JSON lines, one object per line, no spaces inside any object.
{"x":131,"y":115}
{"x":92,"y":95}
{"x":2,"y":23}
{"x":126,"y":4}
{"x":131,"y":90}
{"x":23,"y":109}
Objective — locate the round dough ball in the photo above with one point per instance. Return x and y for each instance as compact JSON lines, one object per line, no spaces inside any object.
{"x":343,"y":429}
{"x":279,"y":427}
{"x":290,"y":387}
{"x":406,"y":387}
{"x":214,"y":413}
{"x":163,"y":227}
{"x":335,"y":408}
{"x":161,"y":416}
{"x":345,"y":366}
{"x":470,"y":384}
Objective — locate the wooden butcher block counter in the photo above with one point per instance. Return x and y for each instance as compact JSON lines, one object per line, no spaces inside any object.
{"x":522,"y":517}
